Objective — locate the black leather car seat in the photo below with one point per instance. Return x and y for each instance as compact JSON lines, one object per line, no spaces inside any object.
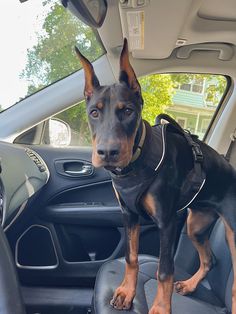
{"x":212,"y":296}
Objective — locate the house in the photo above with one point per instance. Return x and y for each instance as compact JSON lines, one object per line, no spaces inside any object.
{"x":192,"y":107}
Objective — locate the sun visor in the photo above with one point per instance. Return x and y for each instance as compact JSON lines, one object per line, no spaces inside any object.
{"x":153,"y":27}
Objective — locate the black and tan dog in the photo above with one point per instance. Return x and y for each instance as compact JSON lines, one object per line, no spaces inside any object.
{"x":152,"y":176}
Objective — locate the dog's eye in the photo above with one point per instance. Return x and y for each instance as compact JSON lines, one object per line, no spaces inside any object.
{"x":94,"y":113}
{"x":128,"y":111}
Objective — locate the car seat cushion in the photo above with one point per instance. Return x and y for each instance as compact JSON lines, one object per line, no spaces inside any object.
{"x":111,"y":274}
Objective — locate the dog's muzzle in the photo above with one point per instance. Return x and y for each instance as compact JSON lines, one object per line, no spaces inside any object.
{"x":108,"y":154}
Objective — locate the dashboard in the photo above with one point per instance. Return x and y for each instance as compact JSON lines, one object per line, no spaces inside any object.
{"x":22,"y":173}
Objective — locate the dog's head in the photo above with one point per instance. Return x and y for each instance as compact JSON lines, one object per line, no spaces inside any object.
{"x":114,"y":113}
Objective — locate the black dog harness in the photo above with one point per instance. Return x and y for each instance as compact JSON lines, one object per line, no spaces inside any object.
{"x":131,"y":182}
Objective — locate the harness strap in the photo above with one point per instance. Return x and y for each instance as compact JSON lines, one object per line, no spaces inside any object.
{"x":196,"y":178}
{"x":197,"y":152}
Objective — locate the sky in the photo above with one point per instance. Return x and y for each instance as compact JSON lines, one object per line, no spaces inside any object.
{"x":19,"y":24}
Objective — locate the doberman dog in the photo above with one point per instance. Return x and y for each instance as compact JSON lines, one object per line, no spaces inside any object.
{"x":130,"y":149}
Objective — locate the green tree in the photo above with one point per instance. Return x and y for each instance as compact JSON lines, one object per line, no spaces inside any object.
{"x":53,"y":57}
{"x":157,"y":91}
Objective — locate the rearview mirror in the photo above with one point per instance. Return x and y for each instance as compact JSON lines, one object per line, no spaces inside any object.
{"x":91,"y":12}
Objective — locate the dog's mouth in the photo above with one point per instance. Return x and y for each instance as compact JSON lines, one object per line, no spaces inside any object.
{"x":115,"y":166}
{"x":111,"y":164}
{"x":110,"y":168}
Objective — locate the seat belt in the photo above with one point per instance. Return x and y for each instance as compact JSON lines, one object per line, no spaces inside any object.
{"x":231,"y":153}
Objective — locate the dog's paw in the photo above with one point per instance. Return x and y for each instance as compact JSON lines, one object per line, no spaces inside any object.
{"x":159,"y":310}
{"x":122,"y":299}
{"x":184,"y":287}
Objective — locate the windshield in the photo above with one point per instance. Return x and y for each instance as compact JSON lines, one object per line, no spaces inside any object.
{"x":37,"y":47}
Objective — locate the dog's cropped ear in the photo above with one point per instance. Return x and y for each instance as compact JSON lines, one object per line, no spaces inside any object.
{"x":127,"y":74}
{"x":91,"y":80}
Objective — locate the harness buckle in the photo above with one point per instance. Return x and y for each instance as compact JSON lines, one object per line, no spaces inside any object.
{"x":197,"y":153}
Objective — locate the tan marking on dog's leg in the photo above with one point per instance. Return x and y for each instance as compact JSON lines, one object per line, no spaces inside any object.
{"x":196,"y":222}
{"x":148,"y":202}
{"x":125,"y":293}
{"x":162,"y":301}
{"x":230,"y":236}
{"x":188,"y":286}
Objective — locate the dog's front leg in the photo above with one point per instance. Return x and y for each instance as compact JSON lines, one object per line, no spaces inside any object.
{"x":162,"y":301}
{"x":125,"y":293}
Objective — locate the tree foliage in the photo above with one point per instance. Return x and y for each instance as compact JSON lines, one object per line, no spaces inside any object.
{"x":53,"y":57}
{"x":157,"y":91}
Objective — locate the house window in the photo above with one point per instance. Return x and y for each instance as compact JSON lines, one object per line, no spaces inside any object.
{"x":182,"y":122}
{"x":195,"y":85}
{"x":197,"y":88}
{"x":186,"y":87}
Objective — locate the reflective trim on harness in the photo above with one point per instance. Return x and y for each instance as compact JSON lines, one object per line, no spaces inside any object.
{"x":181,"y":209}
{"x":163,"y":147}
{"x":197,"y":155}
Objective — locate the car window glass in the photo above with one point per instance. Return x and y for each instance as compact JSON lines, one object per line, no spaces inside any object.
{"x":191,"y":99}
{"x":38,"y":49}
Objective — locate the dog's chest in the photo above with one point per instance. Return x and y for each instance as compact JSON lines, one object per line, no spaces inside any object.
{"x":133,"y":185}
{"x":131,"y":188}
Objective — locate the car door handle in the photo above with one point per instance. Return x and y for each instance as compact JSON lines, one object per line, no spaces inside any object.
{"x":74,"y":168}
{"x":86,"y":170}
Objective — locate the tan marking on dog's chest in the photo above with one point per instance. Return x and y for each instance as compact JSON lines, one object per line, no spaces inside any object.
{"x":148,"y":202}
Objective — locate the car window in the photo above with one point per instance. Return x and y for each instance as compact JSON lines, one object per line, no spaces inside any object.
{"x":39,"y":49}
{"x":191,"y":99}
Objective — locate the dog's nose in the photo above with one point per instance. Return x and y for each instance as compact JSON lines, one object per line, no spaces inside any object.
{"x":108,"y":154}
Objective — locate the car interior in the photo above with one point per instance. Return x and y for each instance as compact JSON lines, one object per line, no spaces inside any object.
{"x":62,"y":237}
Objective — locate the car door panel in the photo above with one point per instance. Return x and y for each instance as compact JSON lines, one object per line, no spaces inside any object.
{"x":84,"y":220}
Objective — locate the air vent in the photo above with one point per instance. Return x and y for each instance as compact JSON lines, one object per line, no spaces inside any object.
{"x":36,"y":159}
